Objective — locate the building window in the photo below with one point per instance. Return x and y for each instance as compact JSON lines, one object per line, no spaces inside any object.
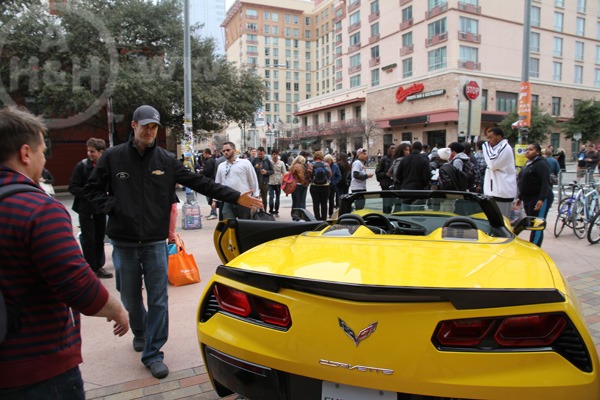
{"x":436,"y":28}
{"x":556,"y":71}
{"x":559,"y":3}
{"x":375,"y":29}
{"x":469,"y":25}
{"x":355,"y":18}
{"x":355,"y":60}
{"x":437,"y":59}
{"x":469,"y":54}
{"x":557,"y":47}
{"x":435,"y":3}
{"x":581,"y":6}
{"x":375,"y":52}
{"x":407,"y":68}
{"x":534,"y":42}
{"x":407,"y":14}
{"x":375,"y":77}
{"x":251,"y":26}
{"x":558,"y":21}
{"x":535,"y":16}
{"x":556,"y":106}
{"x":355,"y":39}
{"x":275,"y":17}
{"x":266,"y":15}
{"x":375,"y":7}
{"x":506,"y":101}
{"x":597,"y":54}
{"x":534,"y":67}
{"x":580,"y":26}
{"x":407,"y":39}
{"x":597,"y":77}
{"x":355,"y":81}
{"x":251,"y":13}
{"x":578,"y":74}
{"x":579,"y":46}
{"x":535,"y":100}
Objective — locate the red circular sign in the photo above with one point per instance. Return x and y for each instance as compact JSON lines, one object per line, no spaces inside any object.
{"x":472,"y":90}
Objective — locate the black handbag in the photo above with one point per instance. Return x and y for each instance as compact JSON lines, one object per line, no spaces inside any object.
{"x":262,"y":215}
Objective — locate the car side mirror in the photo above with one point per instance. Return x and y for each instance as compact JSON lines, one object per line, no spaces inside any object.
{"x":529,"y":224}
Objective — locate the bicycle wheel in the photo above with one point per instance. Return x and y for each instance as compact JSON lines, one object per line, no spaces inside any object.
{"x":579,"y":219}
{"x":563,"y":217}
{"x":593,"y":233}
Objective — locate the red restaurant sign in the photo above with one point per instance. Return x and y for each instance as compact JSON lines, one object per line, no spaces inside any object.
{"x":402,"y":94}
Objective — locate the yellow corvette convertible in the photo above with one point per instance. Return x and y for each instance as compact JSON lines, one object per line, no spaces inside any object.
{"x":404,"y":295}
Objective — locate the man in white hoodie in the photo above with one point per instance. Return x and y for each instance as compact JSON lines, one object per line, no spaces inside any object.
{"x":501,"y":175}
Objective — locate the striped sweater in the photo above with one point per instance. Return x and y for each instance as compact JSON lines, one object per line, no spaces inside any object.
{"x":44,"y":273}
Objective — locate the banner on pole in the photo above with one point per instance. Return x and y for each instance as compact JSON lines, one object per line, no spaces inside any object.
{"x":524,"y":105}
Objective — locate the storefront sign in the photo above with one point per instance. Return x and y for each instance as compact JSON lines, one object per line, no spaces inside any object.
{"x":402,"y":94}
{"x":425,"y":95}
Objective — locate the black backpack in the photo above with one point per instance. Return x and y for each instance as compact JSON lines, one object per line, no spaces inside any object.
{"x":9,"y":315}
{"x":319,"y":173}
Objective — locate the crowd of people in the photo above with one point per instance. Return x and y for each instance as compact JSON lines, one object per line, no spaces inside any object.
{"x":127,"y":192}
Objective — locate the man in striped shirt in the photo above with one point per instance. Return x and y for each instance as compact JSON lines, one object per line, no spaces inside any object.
{"x":44,"y":278}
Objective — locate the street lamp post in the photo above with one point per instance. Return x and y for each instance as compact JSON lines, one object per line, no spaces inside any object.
{"x":269,"y":134}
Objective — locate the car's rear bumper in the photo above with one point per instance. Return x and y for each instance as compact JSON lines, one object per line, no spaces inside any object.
{"x":257,"y":382}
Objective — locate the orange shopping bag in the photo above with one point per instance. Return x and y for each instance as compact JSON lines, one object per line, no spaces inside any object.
{"x":182,"y":266}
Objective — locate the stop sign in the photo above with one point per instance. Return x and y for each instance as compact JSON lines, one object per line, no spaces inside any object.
{"x":472,"y":90}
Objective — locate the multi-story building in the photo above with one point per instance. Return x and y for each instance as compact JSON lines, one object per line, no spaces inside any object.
{"x":397,"y":69}
{"x":209,"y":13}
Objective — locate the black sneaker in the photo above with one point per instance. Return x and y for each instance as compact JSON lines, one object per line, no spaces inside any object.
{"x":139,"y":343}
{"x":159,"y":369}
{"x":102,"y":274}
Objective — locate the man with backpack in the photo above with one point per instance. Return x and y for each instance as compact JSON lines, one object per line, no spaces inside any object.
{"x":44,"y":278}
{"x":320,"y":174}
{"x":467,"y":174}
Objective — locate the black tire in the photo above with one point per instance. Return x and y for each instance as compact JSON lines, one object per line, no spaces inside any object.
{"x":561,"y":218}
{"x":593,"y":233}
{"x":579,"y":219}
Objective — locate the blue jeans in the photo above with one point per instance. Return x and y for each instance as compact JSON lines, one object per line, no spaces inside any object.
{"x":148,"y":261}
{"x":66,"y":386}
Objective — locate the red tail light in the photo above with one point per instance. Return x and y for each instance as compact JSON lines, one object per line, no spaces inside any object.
{"x":539,"y":330}
{"x":530,"y":330}
{"x":272,"y":313}
{"x":233,"y":300}
{"x":464,"y":332}
{"x":252,"y":307}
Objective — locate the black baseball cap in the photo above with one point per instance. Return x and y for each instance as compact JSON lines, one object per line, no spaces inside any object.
{"x":145,"y":115}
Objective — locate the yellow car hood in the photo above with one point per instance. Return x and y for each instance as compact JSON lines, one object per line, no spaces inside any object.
{"x":397,"y":261}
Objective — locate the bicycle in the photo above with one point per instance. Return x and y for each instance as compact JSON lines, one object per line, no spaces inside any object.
{"x":565,"y":209}
{"x":585,"y":207}
{"x":593,"y":233}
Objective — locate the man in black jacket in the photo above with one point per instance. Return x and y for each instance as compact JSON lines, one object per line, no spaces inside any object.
{"x":381,"y":174}
{"x":133,"y":183}
{"x":91,"y":222}
{"x":209,"y":170}
{"x":414,"y":173}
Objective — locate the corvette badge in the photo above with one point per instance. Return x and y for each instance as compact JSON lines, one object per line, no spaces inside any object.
{"x":362,"y":335}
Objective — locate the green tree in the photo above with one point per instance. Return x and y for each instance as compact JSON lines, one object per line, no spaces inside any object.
{"x":541,"y":124}
{"x":68,"y":65}
{"x":586,"y":120}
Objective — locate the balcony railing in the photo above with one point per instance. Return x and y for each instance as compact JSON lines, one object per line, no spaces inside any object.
{"x":373,"y":39}
{"x":469,"y":37}
{"x":353,"y":69}
{"x":471,"y":65}
{"x":470,"y":8}
{"x":435,"y":11}
{"x":354,"y":27}
{"x":374,"y":61}
{"x":353,"y":48}
{"x":373,"y":16}
{"x":432,"y":41}
{"x":406,"y":24}
{"x":406,"y":50}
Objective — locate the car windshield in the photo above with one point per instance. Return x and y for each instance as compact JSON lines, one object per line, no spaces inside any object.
{"x":422,"y":212}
